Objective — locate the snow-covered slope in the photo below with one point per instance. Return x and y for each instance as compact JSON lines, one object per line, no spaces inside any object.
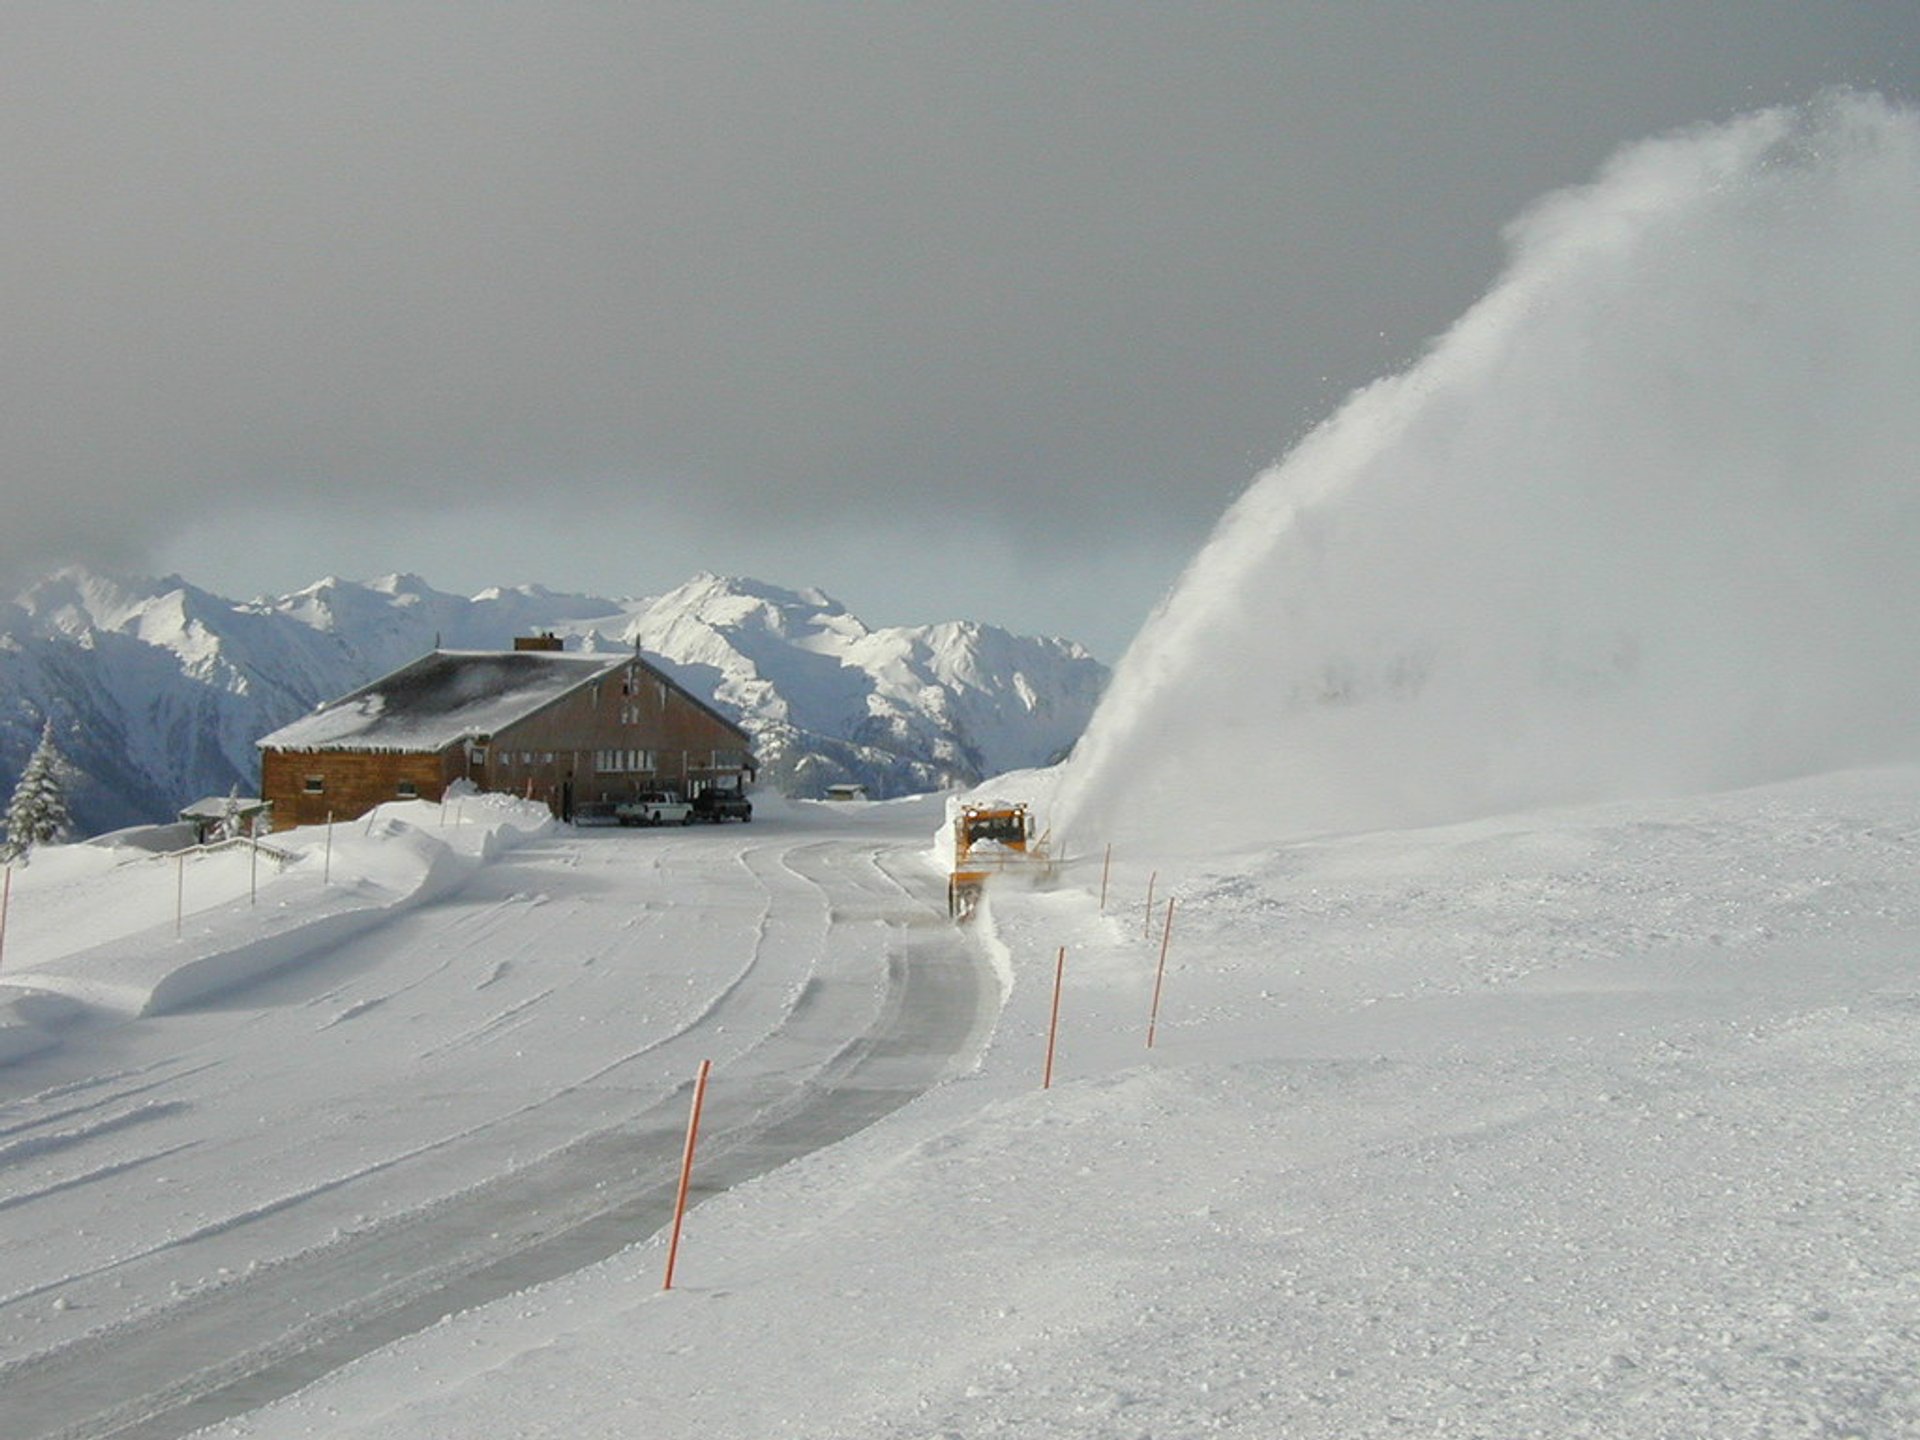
{"x":904,"y":709}
{"x":158,"y":689}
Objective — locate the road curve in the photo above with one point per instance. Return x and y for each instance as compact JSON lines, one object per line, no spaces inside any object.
{"x":895,"y":1000}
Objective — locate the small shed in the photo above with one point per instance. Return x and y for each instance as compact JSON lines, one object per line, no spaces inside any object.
{"x":219,"y":816}
{"x":846,"y":791}
{"x":566,"y":728}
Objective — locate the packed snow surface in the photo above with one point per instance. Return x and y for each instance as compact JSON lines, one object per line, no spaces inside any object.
{"x":1594,"y":1121}
{"x":259,"y":1118}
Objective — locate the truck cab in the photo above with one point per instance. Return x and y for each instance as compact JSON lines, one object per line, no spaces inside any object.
{"x":654,"y":807}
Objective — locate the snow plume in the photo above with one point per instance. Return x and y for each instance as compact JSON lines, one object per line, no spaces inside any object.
{"x":1645,"y":520}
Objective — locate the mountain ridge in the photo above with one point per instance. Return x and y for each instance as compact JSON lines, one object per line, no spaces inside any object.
{"x":158,"y":688}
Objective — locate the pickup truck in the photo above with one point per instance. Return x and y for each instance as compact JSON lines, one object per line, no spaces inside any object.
{"x":654,"y":807}
{"x":717,"y":805}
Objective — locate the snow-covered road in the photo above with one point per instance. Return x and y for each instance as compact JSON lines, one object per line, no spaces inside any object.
{"x":208,"y":1208}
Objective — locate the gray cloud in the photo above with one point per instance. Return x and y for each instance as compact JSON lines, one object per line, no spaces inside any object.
{"x":1048,"y":280}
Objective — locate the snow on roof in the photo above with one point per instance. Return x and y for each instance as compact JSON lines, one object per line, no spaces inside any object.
{"x":441,"y":699}
{"x":218,"y":807}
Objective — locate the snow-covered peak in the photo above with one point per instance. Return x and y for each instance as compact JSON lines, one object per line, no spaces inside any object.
{"x":170,"y":685}
{"x":167,"y":612}
{"x":729,"y":603}
{"x":75,"y":598}
{"x":404,"y":588}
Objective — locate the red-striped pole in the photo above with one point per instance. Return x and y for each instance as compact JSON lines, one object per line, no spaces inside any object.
{"x":1106,"y":868}
{"x":1153,"y":1020}
{"x":1053,"y":1026}
{"x":686,"y":1169}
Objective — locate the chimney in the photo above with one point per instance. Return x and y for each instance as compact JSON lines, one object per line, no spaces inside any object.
{"x":545,"y":640}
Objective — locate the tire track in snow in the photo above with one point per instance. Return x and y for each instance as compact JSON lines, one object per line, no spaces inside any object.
{"x":92,"y":1177}
{"x":932,"y":1017}
{"x":804,"y":1081}
{"x":33,"y":1147}
{"x":96,"y":1082}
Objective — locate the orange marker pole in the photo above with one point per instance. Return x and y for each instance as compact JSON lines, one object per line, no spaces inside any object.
{"x":1053,"y":1026}
{"x":1106,"y":868}
{"x":1153,"y":1020}
{"x":1146,"y":920}
{"x":686,"y":1169}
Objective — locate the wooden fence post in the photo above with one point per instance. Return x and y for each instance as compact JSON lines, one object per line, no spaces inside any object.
{"x":1053,"y":1026}
{"x":1153,"y":1020}
{"x":686,"y":1169}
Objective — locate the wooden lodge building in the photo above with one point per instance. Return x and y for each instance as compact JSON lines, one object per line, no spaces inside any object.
{"x":571,"y":729}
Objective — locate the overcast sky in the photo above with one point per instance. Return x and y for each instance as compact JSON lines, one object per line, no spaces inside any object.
{"x":968,"y":309}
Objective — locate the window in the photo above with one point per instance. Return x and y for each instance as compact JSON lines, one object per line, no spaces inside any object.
{"x":407,"y":790}
{"x":315,"y":785}
{"x":622,"y":762}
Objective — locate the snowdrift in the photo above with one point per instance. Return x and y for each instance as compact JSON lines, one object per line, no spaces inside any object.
{"x":94,"y":930}
{"x":1643,"y":522}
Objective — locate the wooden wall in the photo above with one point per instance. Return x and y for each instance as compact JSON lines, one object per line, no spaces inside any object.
{"x":352,"y":782}
{"x":550,"y":756}
{"x":635,"y":709}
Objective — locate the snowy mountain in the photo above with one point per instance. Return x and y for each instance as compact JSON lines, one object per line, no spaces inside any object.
{"x":158,"y":689}
{"x":911,"y":708}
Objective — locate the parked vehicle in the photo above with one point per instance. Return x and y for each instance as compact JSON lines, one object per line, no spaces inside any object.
{"x":716,"y":804}
{"x":654,"y":807}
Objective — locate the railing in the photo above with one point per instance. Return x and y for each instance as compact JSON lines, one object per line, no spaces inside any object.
{"x":235,"y":842}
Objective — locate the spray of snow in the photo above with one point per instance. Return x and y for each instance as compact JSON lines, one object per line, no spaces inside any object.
{"x":1644,"y":521}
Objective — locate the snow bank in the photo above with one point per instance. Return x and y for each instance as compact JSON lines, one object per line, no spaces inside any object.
{"x":87,"y":926}
{"x":1643,"y":522}
{"x":1591,"y":1122}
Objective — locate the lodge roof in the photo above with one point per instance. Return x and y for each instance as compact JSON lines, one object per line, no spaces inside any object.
{"x":218,"y":807}
{"x":442,"y":699}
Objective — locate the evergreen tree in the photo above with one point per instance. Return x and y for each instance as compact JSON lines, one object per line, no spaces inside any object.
{"x":230,"y":826}
{"x":37,"y":815}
